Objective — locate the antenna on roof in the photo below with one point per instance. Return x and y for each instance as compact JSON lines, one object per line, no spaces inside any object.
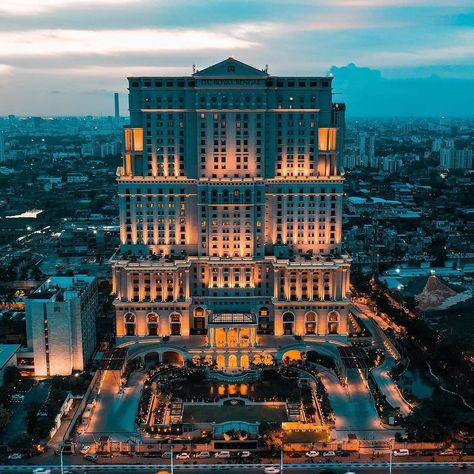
{"x":266,"y":68}
{"x":194,"y":69}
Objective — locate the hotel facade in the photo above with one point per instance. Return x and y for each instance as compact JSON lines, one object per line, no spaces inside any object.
{"x":230,"y":199}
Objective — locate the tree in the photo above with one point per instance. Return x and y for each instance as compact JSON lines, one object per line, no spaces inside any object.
{"x":4,"y":417}
{"x":11,"y":375}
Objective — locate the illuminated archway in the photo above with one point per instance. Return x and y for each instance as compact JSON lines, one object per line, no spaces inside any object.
{"x":333,"y":322}
{"x":175,"y":324}
{"x":130,"y":321}
{"x":173,"y":358}
{"x":152,"y":320}
{"x":199,"y":320}
{"x":244,"y":361}
{"x":233,"y":361}
{"x":288,"y":323}
{"x":293,"y":355}
{"x":311,"y":323}
{"x":220,"y":361}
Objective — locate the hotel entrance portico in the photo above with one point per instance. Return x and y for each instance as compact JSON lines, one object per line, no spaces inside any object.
{"x":232,"y":336}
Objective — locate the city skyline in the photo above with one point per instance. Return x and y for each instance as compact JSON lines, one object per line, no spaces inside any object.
{"x":67,"y":62}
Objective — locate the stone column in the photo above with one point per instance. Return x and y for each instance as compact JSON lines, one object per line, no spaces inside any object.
{"x":276,"y":283}
{"x":186,"y":284}
{"x":152,"y":287}
{"x":321,"y":285}
{"x":164,"y":286}
{"x":299,"y":286}
{"x":310,"y":285}
{"x":175,"y":285}
{"x":287,"y":285}
{"x":129,"y":286}
{"x":226,"y":337}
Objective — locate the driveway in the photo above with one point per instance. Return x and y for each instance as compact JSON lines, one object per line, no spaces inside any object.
{"x":115,"y":412}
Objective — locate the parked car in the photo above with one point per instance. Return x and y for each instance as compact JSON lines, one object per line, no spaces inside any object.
{"x":223,"y":454}
{"x":17,"y":397}
{"x":41,"y":470}
{"x":447,"y":452}
{"x":91,"y":457}
{"x":401,"y":452}
{"x":203,"y":455}
{"x":312,"y":454}
{"x":15,"y":456}
{"x":245,"y":454}
{"x":343,"y":454}
{"x":84,"y":449}
{"x":183,"y":456}
{"x":166,"y":455}
{"x":271,"y":470}
{"x":328,"y":454}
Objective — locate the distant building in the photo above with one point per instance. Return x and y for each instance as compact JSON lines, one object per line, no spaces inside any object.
{"x":77,"y":178}
{"x":60,"y":324}
{"x":3,"y":157}
{"x":455,"y":159}
{"x":116,"y":107}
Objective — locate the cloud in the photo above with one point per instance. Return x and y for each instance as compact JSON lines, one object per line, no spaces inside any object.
{"x":5,"y":69}
{"x":34,"y":7}
{"x":103,"y":42}
{"x":369,"y":94}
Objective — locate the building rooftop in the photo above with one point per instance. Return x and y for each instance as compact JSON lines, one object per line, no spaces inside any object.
{"x":7,"y":351}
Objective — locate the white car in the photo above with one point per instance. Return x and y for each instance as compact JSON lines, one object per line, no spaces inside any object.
{"x":328,"y":454}
{"x":223,"y":454}
{"x":84,"y":449}
{"x":15,"y":456}
{"x":312,"y":454}
{"x":183,"y":456}
{"x":203,"y":455}
{"x":245,"y":454}
{"x":41,"y":470}
{"x":401,"y":452}
{"x":271,"y":470}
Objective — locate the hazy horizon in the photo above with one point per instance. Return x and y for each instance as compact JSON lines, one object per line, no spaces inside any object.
{"x":67,"y":57}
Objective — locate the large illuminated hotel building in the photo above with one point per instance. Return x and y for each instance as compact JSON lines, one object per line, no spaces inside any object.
{"x":230,"y":201}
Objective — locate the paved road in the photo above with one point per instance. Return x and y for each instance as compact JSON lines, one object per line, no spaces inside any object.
{"x":353,"y":407}
{"x":115,"y":412}
{"x":381,"y":374}
{"x":238,"y":469}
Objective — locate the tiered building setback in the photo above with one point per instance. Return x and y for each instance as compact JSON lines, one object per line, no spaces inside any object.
{"x":230,"y":202}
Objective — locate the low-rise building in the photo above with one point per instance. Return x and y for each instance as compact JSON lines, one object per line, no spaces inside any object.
{"x":60,"y":324}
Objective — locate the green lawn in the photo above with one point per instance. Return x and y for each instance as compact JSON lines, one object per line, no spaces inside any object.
{"x":219,"y":414}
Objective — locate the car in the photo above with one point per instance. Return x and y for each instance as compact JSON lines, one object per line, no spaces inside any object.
{"x":328,"y":454}
{"x":203,"y":455}
{"x":84,"y":449}
{"x":271,"y":470}
{"x":17,"y":397}
{"x":245,"y":454}
{"x":223,"y":454}
{"x":183,"y":456}
{"x":14,"y":456}
{"x":311,"y":454}
{"x":41,"y":470}
{"x":401,"y":452}
{"x":166,"y":455}
{"x":447,"y":452}
{"x":343,"y":454}
{"x":91,"y":457}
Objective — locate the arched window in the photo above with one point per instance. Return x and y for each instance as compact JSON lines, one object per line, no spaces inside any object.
{"x":264,"y":321}
{"x":152,"y":323}
{"x":175,"y":324}
{"x":311,"y":323}
{"x":333,"y":322}
{"x":288,"y":323}
{"x":129,"y":324}
{"x":199,"y":322}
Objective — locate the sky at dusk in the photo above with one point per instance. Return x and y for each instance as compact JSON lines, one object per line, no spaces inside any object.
{"x":389,"y":57}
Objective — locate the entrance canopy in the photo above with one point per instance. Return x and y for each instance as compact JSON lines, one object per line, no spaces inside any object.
{"x":220,"y":319}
